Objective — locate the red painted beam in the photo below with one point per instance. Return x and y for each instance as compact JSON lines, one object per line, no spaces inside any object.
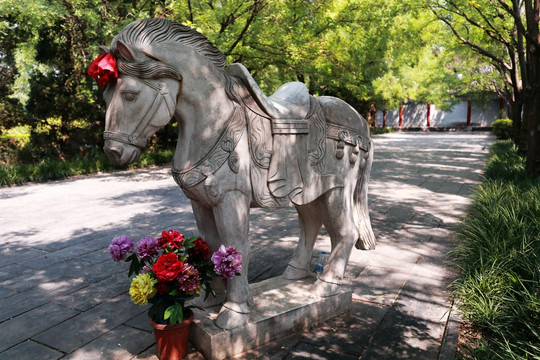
{"x":428,"y":114}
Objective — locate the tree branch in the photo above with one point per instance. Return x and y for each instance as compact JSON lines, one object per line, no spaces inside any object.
{"x":474,"y":46}
{"x":494,"y":35}
{"x":190,"y":11}
{"x":257,"y":6}
{"x":515,"y":13}
{"x":229,"y":20}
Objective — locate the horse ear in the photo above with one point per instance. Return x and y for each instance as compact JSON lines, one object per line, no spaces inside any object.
{"x":104,"y":50}
{"x":128,"y":52}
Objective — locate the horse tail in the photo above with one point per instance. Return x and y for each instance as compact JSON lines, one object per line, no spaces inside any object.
{"x":366,"y":238}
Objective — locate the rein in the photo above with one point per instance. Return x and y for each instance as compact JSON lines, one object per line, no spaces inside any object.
{"x":133,"y":138}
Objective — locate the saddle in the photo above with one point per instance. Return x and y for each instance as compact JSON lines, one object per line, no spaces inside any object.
{"x":290,"y":101}
{"x":287,"y":143}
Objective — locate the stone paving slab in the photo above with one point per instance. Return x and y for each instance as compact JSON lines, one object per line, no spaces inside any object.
{"x":23,"y":327}
{"x":80,"y":330}
{"x":121,"y":342}
{"x":29,"y":350}
{"x":56,"y":277}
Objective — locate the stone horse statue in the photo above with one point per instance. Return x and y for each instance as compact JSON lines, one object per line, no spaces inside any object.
{"x":238,"y":148}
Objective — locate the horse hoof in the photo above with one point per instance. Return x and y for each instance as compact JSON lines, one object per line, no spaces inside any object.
{"x":230,"y":319}
{"x":292,"y":273}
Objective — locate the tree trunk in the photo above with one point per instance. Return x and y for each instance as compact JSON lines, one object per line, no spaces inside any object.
{"x":373,"y":116}
{"x":531,"y":123}
{"x":514,"y":113}
{"x":533,"y":137}
{"x":384,"y":118}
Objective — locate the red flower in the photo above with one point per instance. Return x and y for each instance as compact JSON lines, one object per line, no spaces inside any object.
{"x":103,"y":67}
{"x":200,"y":251}
{"x":167,"y":267}
{"x":171,"y":238}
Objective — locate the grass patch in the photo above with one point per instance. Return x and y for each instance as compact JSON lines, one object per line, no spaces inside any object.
{"x":499,"y":258}
{"x":377,"y":131}
{"x":47,"y":170}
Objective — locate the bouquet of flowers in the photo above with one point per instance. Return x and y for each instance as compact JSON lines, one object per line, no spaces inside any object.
{"x":171,"y":270}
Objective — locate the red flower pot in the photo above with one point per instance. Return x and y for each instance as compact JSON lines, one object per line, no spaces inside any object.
{"x":172,"y":340}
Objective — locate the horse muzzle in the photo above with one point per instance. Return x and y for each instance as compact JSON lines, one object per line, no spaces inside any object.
{"x":120,"y":153}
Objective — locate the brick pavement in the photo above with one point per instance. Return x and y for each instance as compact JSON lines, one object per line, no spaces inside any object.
{"x":61,"y":297}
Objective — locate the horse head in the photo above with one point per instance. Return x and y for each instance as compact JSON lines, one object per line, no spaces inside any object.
{"x":142,"y":69}
{"x":141,"y":101}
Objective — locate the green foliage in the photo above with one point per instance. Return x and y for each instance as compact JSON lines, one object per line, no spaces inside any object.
{"x":376,"y":131}
{"x":505,"y":163}
{"x":174,"y":314}
{"x":502,"y":128}
{"x":93,"y":162}
{"x":499,"y":284}
{"x":363,"y":51}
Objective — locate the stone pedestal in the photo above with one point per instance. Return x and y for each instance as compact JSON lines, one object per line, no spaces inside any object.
{"x":280,"y":307}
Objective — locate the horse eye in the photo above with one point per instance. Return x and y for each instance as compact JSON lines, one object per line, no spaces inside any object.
{"x":129,"y":96}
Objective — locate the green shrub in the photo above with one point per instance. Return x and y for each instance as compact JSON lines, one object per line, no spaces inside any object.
{"x":505,"y":163}
{"x":502,"y":128}
{"x":498,"y":258}
{"x":377,"y":131}
{"x":93,"y":162}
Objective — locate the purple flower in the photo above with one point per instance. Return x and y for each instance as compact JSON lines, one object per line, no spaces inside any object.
{"x":147,"y":248}
{"x":120,"y":247}
{"x":227,"y":262}
{"x":189,"y":280}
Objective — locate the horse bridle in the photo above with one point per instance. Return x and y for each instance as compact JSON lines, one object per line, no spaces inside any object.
{"x":133,"y":138}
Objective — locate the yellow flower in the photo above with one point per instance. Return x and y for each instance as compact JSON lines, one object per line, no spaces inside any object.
{"x":142,"y":287}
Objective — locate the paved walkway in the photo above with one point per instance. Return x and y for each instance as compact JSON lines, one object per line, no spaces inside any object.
{"x":62,"y":297}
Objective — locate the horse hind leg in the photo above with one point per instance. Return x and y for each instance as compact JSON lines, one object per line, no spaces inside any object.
{"x":310,"y":224}
{"x":336,"y":209}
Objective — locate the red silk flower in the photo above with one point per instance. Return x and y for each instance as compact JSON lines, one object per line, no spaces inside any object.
{"x":103,"y":67}
{"x":200,"y":251}
{"x":171,"y":238}
{"x":167,"y":267}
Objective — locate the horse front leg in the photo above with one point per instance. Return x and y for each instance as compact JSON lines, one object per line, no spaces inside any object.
{"x":232,"y":220}
{"x":206,"y":224}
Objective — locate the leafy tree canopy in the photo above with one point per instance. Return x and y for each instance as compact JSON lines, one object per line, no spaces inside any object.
{"x":363,"y":51}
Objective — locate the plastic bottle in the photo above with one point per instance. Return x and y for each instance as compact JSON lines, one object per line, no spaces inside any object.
{"x":321,"y":263}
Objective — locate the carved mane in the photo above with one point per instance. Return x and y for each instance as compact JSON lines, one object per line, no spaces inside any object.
{"x":157,"y":30}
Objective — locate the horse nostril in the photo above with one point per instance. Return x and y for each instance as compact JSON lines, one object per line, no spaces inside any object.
{"x":114,"y":153}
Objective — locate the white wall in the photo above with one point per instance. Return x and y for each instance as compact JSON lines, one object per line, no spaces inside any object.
{"x":415,"y":115}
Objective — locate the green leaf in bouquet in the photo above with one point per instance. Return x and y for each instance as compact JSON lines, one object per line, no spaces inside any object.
{"x":135,"y":266}
{"x":174,"y":313}
{"x":189,"y":242}
{"x":208,"y":291}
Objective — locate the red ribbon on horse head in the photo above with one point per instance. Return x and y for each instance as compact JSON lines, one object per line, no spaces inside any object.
{"x":104,"y":67}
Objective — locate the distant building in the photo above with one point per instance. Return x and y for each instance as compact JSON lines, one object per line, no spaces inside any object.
{"x":465,"y":113}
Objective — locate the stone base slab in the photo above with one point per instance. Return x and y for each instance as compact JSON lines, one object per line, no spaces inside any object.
{"x":280,"y":307}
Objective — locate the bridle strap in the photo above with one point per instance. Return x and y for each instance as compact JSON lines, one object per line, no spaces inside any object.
{"x":124,"y":138}
{"x":133,"y":139}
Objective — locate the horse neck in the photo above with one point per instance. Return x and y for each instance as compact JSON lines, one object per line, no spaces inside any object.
{"x":203,"y":110}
